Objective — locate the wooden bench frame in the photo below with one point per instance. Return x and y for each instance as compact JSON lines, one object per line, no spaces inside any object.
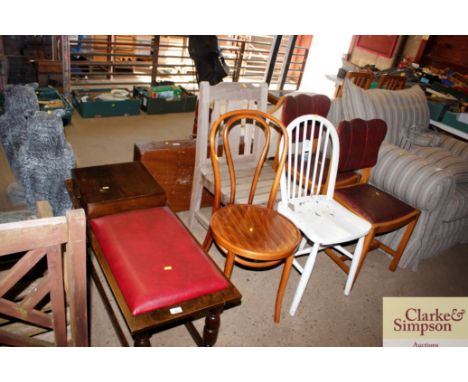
{"x":144,"y":325}
{"x":41,"y":238}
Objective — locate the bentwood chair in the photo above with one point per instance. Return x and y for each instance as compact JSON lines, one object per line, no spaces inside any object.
{"x":360,"y":142}
{"x":322,"y":220}
{"x":250,"y":234}
{"x":361,"y":79}
{"x":391,"y":82}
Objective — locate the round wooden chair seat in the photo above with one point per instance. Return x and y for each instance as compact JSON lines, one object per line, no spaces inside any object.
{"x":254,"y":232}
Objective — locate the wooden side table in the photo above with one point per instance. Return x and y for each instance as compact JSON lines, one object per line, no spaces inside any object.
{"x":108,"y":189}
{"x":127,"y":191}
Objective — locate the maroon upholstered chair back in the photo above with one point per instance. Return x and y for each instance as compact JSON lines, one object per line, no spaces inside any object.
{"x":360,"y":143}
{"x":302,"y":104}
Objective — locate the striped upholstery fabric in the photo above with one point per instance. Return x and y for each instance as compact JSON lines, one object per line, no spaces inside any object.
{"x":418,"y":183}
{"x":457,"y":206}
{"x":457,"y":147}
{"x":400,"y":109}
{"x":441,"y":158}
{"x":335,"y":114}
{"x":412,"y":178}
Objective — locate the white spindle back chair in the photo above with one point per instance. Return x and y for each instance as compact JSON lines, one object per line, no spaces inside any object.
{"x":311,"y":167}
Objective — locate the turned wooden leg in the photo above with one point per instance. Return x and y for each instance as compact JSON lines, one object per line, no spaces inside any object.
{"x":211,"y":329}
{"x":142,"y":340}
{"x":284,"y":280}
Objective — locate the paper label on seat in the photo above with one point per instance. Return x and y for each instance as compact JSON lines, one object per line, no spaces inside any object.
{"x":176,"y":310}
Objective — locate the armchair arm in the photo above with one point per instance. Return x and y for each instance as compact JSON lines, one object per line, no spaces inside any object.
{"x":411,"y":179}
{"x":455,"y":146}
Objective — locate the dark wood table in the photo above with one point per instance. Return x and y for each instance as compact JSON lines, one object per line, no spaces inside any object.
{"x":110,"y":189}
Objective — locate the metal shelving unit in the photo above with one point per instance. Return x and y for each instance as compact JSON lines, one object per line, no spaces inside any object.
{"x":113,"y":60}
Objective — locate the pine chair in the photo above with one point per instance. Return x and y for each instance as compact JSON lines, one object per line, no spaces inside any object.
{"x":391,"y":82}
{"x":360,"y":142}
{"x":246,"y":142}
{"x":361,"y":79}
{"x":250,"y":234}
{"x":321,"y":219}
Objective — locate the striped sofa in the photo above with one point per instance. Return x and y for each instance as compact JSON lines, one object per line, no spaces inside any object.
{"x":426,"y":169}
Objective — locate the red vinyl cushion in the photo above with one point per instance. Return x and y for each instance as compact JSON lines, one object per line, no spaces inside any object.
{"x":139,"y":245}
{"x":302,"y":104}
{"x":374,"y":205}
{"x":360,"y":143}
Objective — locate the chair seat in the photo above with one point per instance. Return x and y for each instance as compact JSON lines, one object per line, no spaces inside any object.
{"x":244,"y":173}
{"x":154,"y":259}
{"x":373,"y":204}
{"x":254,"y":231}
{"x":326,"y":221}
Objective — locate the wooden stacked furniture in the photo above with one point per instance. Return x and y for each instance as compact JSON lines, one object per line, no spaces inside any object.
{"x":156,"y":270}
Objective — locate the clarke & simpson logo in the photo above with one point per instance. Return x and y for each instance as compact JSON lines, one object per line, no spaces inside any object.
{"x":425,"y":321}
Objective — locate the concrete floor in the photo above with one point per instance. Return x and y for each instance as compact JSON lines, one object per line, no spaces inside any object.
{"x":326,"y":317}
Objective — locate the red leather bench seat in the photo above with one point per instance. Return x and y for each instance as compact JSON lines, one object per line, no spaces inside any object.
{"x":154,"y":259}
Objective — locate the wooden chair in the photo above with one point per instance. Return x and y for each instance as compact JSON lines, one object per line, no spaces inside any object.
{"x":391,"y":82}
{"x":360,"y":142}
{"x":322,"y":220}
{"x":361,"y":79}
{"x":293,"y":106}
{"x":34,"y":296}
{"x":252,"y":235}
{"x":214,"y":101}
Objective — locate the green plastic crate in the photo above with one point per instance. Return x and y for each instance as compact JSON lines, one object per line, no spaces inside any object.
{"x":51,"y":94}
{"x":104,"y":108}
{"x":162,"y":106}
{"x":450,"y":119}
{"x":438,"y":109}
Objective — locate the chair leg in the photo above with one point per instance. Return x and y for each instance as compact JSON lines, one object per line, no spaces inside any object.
{"x":208,"y":240}
{"x":402,"y":246}
{"x":354,"y":266}
{"x":229,"y":265}
{"x":284,"y":280}
{"x":368,"y":239}
{"x":196,"y":197}
{"x":304,"y":279}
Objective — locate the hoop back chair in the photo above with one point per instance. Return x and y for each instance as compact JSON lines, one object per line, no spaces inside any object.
{"x":321,"y":219}
{"x":250,"y":234}
{"x":391,"y":82}
{"x":360,"y":142}
{"x":361,"y":79}
{"x":34,"y":286}
{"x":246,"y":143}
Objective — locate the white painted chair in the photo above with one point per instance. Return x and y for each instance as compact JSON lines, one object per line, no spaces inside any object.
{"x":310,"y":168}
{"x":246,"y":143}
